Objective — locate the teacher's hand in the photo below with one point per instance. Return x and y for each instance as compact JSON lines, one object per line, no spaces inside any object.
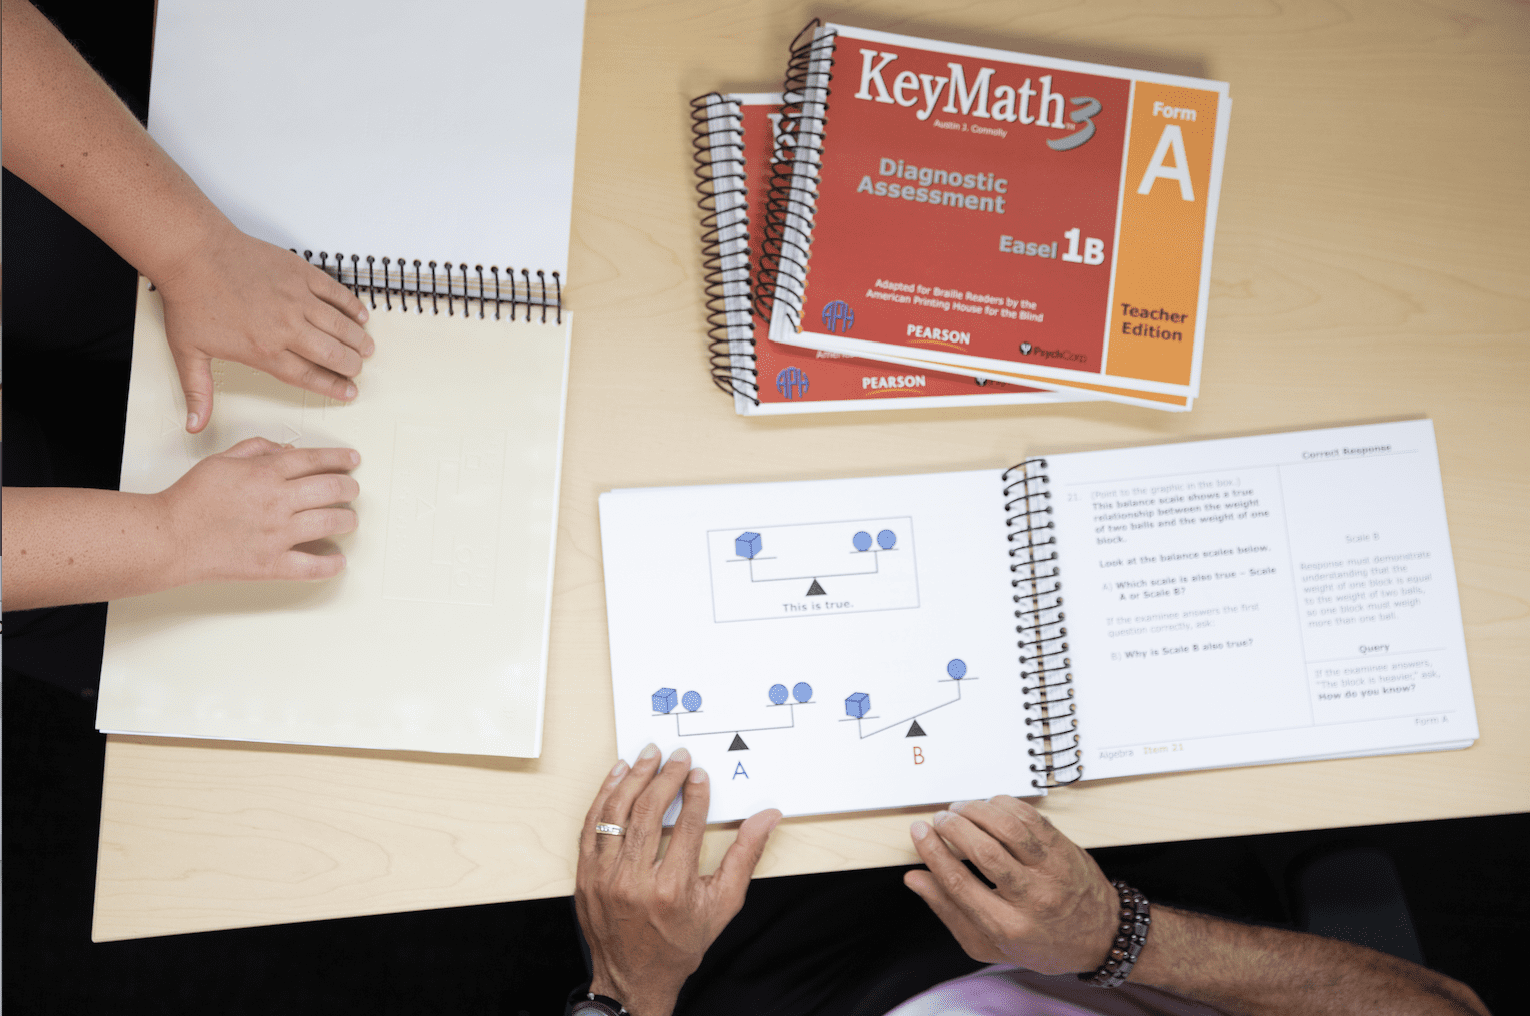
{"x":1051,"y":909}
{"x":648,"y":922}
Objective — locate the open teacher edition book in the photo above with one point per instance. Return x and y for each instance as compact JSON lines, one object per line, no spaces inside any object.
{"x":838,"y":645}
{"x":369,"y":126}
{"x":1039,"y":221}
{"x":738,"y":140}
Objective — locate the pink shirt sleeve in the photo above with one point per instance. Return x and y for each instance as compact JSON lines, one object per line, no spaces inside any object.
{"x":1003,"y":990}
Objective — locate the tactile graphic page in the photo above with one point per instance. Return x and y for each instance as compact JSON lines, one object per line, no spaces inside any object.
{"x":821,"y":646}
{"x":434,"y":636}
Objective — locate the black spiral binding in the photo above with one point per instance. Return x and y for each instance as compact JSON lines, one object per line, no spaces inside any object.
{"x":725,"y":243}
{"x":447,"y":286}
{"x":1051,"y":720}
{"x":792,"y":198}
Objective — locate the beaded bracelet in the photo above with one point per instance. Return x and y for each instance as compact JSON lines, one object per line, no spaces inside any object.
{"x":1131,"y":936}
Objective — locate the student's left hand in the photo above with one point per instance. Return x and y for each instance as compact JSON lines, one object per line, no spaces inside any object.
{"x":241,"y":299}
{"x":648,"y":922}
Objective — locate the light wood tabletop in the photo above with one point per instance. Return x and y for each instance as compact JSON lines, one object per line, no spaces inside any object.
{"x":1372,"y":262}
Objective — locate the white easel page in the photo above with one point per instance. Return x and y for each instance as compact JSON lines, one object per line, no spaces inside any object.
{"x":388,"y":127}
{"x":819,"y":646}
{"x":1261,"y":599}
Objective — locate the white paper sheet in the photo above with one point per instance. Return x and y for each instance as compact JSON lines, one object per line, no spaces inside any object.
{"x":745,"y":620}
{"x":434,"y":638}
{"x":432,"y":131}
{"x":1261,"y":599}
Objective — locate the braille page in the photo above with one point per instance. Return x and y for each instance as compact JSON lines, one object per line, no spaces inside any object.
{"x":431,"y":131}
{"x":820,"y":646}
{"x":434,"y":638}
{"x":1261,"y":599}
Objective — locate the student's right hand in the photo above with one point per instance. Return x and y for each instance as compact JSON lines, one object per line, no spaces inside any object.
{"x":244,"y":514}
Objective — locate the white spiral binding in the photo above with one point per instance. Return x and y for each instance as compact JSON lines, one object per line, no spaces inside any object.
{"x":719,"y":141}
{"x":794,"y":183}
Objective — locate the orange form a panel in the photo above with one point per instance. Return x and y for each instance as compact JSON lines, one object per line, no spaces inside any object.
{"x":1162,"y":246}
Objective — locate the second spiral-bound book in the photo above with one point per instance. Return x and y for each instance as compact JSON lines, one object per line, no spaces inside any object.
{"x":738,"y":143}
{"x":840,"y":645}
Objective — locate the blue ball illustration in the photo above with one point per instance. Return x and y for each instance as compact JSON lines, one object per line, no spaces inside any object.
{"x":886,"y":538}
{"x":777,"y":694}
{"x":691,"y":700}
{"x":802,"y":691}
{"x":956,"y":668}
{"x":862,"y":540}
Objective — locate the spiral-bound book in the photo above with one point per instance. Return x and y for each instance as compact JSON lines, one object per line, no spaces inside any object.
{"x":1016,"y":217}
{"x":837,"y":645}
{"x":738,"y":139}
{"x":393,"y":145}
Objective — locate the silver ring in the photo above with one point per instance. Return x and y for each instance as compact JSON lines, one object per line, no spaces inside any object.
{"x":608,"y":829}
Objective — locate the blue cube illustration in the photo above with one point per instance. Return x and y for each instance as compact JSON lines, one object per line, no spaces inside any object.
{"x":858,"y":705}
{"x":747,"y":544}
{"x":664,"y":700}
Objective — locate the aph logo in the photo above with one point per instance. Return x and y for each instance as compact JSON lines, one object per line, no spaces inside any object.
{"x":838,"y":312}
{"x":1025,"y":348}
{"x":792,"y":383}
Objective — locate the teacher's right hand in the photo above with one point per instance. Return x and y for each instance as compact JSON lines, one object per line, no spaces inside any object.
{"x":1051,"y":909}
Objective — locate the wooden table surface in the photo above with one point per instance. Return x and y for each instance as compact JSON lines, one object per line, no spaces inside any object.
{"x":1372,"y":262}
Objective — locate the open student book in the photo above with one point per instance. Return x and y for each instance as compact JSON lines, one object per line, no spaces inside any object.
{"x":838,"y":645}
{"x":1025,"y":219}
{"x":409,"y":158}
{"x":738,"y":139}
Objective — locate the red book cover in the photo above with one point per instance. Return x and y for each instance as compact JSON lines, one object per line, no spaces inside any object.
{"x":1007,"y":214}
{"x":775,"y":378}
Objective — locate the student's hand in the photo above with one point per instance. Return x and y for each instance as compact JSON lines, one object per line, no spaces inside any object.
{"x":245,"y":300}
{"x":1051,"y":909}
{"x":242,"y":514}
{"x":648,"y":922}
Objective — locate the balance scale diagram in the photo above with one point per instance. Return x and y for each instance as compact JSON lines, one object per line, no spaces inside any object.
{"x":813,"y":569}
{"x":857,"y":710}
{"x":664,"y":705}
{"x":858,"y":707}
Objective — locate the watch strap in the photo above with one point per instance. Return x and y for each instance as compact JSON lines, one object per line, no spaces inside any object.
{"x":599,"y":1005}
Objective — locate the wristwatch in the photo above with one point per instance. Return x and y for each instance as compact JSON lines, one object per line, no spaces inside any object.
{"x":598,"y":1005}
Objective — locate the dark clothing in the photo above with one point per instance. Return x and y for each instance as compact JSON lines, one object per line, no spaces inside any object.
{"x":68,"y":319}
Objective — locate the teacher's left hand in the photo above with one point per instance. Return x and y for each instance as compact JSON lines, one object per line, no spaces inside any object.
{"x":649,"y":921}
